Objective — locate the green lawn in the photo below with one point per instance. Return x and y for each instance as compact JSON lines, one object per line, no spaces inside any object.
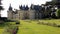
{"x":31,"y":27}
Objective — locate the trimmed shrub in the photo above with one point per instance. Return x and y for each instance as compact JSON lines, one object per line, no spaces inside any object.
{"x":58,"y":26}
{"x":12,"y":29}
{"x":17,"y":22}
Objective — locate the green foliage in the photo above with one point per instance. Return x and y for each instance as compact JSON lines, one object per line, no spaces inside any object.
{"x":58,"y":13}
{"x":7,"y":27}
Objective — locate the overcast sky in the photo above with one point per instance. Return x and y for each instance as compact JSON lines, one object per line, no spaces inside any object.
{"x":15,"y":4}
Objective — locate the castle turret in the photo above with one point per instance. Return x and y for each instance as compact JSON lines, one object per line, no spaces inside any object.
{"x":10,"y":12}
{"x":10,"y":8}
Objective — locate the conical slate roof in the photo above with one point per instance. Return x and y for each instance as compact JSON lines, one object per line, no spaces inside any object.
{"x":10,"y":7}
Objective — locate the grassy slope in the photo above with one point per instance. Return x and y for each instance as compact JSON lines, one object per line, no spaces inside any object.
{"x":33,"y":28}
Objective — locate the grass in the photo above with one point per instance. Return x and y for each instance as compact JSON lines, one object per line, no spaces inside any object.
{"x":1,"y":31}
{"x":31,"y":27}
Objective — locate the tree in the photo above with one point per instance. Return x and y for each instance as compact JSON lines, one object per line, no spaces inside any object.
{"x":1,"y":7}
{"x":58,"y":13}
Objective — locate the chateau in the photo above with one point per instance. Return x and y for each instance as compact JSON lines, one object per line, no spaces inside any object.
{"x":34,"y":11}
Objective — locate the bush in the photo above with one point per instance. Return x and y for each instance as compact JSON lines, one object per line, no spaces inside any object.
{"x":12,"y":29}
{"x":58,"y":13}
{"x":17,"y":22}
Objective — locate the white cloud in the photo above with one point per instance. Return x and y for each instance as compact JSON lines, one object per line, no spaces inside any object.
{"x":16,"y":3}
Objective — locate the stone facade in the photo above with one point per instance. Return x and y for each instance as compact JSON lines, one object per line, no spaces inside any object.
{"x":10,"y":14}
{"x":31,"y":14}
{"x":21,"y":14}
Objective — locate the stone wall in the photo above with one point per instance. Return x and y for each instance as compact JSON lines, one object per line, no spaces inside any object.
{"x":31,"y":14}
{"x":10,"y":14}
{"x":22,"y":14}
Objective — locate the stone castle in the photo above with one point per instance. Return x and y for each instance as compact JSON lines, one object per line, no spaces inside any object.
{"x":34,"y":12}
